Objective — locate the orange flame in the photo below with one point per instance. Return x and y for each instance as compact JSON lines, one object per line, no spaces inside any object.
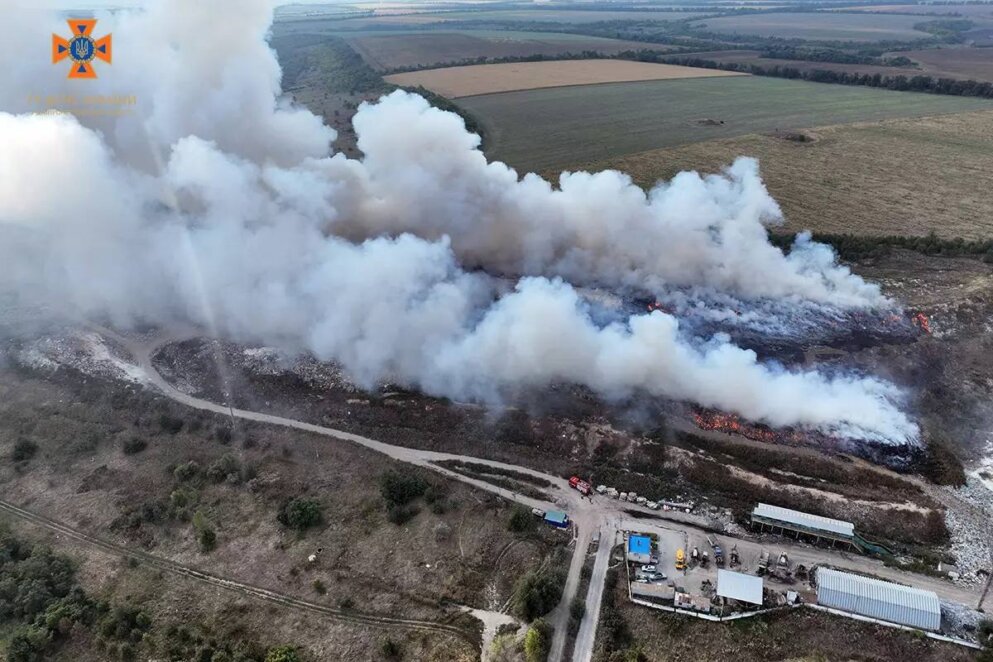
{"x":921,"y":321}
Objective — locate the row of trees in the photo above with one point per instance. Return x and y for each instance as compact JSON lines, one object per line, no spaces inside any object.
{"x":856,"y":247}
{"x":920,"y":83}
{"x":861,"y":56}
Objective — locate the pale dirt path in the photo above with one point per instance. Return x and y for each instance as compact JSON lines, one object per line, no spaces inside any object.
{"x":583,"y":650}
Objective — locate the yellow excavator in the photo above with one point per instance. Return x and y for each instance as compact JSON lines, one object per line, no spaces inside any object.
{"x":680,"y":559}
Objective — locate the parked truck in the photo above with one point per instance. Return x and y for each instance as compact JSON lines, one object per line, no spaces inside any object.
{"x":579,"y":484}
{"x":763,"y":563}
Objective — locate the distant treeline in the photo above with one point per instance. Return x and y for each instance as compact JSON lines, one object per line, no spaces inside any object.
{"x":947,"y":29}
{"x":918,"y":83}
{"x":833,"y":55}
{"x":856,"y":247}
{"x":482,"y":59}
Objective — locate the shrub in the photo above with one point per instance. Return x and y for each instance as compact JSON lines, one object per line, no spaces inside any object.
{"x":537,"y":592}
{"x":400,"y":488}
{"x":300,"y":514}
{"x":206,"y":536}
{"x":319,"y":587}
{"x":401,"y":514}
{"x":24,"y":449}
{"x":134,"y":445}
{"x":224,"y":468}
{"x":187,"y":471}
{"x":390,"y":649}
{"x":577,"y":610}
{"x":223,"y":434}
{"x":170,"y":424}
{"x":536,"y":642}
{"x":283,"y":654}
{"x":521,"y":520}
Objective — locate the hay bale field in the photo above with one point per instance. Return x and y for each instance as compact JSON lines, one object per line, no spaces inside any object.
{"x":454,"y":82}
{"x":389,"y":51}
{"x":561,"y":127}
{"x":823,"y":26}
{"x":902,"y":176}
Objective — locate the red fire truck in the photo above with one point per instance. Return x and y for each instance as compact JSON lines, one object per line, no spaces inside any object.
{"x":580,"y":484}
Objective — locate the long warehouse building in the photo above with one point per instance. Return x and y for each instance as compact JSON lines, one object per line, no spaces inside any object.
{"x":800,"y":523}
{"x":877,"y":599}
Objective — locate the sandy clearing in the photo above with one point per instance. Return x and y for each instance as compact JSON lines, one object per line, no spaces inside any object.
{"x":454,"y":82}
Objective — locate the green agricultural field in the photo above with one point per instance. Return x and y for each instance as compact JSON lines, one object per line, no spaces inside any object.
{"x":561,"y":127}
{"x":826,"y":26}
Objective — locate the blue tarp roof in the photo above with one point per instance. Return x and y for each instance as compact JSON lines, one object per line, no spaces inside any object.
{"x":639,"y":545}
{"x":556,"y":516}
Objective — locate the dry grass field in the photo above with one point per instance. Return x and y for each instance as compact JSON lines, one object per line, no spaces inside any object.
{"x":424,"y":49}
{"x":962,"y":63}
{"x":820,"y":26}
{"x":562,"y":127}
{"x":81,"y":475}
{"x":901,"y":176}
{"x":456,"y":82}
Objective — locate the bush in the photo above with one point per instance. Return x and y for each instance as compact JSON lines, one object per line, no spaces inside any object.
{"x":24,"y":449}
{"x":536,"y":593}
{"x":283,"y":654}
{"x":223,"y":434}
{"x":577,"y":610}
{"x":134,"y":445}
{"x":401,"y":514}
{"x":227,"y":467}
{"x":536,"y":642}
{"x":521,"y":520}
{"x":206,"y":536}
{"x":389,"y":649}
{"x":170,"y":424}
{"x":319,"y":587}
{"x":187,"y":471}
{"x":400,"y":488}
{"x":300,"y":514}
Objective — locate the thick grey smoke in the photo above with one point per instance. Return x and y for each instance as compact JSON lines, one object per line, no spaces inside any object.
{"x":217,"y":202}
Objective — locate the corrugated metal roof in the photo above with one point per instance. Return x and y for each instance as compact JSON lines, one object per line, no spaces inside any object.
{"x":639,"y":545}
{"x":739,"y":586}
{"x":878,"y":599}
{"x":806,"y":520}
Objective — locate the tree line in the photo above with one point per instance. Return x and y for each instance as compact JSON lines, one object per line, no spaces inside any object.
{"x":917,"y":83}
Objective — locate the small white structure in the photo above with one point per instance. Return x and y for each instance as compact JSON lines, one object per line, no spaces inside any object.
{"x":739,"y":586}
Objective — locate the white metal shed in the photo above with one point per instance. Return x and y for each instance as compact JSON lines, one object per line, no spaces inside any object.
{"x":875,"y":598}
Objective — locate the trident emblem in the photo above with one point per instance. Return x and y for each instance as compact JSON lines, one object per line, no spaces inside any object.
{"x":82,"y":48}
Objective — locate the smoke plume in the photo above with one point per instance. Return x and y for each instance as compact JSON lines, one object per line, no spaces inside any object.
{"x":217,"y":201}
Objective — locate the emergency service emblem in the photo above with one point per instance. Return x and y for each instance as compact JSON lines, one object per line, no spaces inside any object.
{"x":81,"y":48}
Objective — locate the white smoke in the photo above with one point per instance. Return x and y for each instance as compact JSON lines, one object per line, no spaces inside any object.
{"x":215,"y":201}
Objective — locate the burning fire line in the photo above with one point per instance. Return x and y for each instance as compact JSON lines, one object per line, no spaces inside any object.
{"x":921,"y":321}
{"x":732,"y":424}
